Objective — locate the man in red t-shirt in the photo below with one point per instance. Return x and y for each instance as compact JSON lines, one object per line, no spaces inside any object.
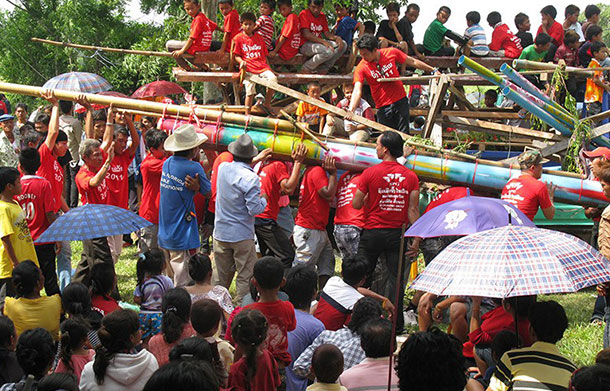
{"x":391,"y":194}
{"x":503,"y":42}
{"x":551,"y":27}
{"x":527,"y":192}
{"x":276,"y":180}
{"x":349,"y":222}
{"x":390,"y":97}
{"x":288,"y":44}
{"x":310,"y":238}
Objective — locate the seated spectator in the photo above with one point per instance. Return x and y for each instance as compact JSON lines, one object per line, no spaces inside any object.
{"x":31,"y":310}
{"x":200,"y":270}
{"x":411,"y":17}
{"x":76,"y":303}
{"x":436,"y":33}
{"x":265,"y":27}
{"x":539,"y":50}
{"x":311,"y":114}
{"x":288,"y":43}
{"x":74,"y":353}
{"x":550,"y":26}
{"x":592,"y":13}
{"x":596,"y":86}
{"x":103,"y":283}
{"x":392,"y":31}
{"x":592,"y":378}
{"x":183,"y":375}
{"x":571,"y":22}
{"x":175,"y":324}
{"x":117,"y":365}
{"x":503,"y":42}
{"x":502,"y":343}
{"x":475,"y":34}
{"x":491,"y":98}
{"x":522,"y":21}
{"x":346,"y":26}
{"x":568,"y":51}
{"x":370,"y":27}
{"x":523,"y":368}
{"x":58,"y":382}
{"x":340,"y":127}
{"x":326,"y":366}
{"x":10,"y":371}
{"x":603,"y":357}
{"x":346,"y":339}
{"x":372,"y":373}
{"x":594,"y":34}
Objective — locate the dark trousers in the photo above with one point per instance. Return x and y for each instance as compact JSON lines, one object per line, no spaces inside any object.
{"x":385,"y":241}
{"x":273,"y":241}
{"x":6,"y":289}
{"x":46,"y":260}
{"x":94,"y":251}
{"x":395,"y":115}
{"x":70,"y":190}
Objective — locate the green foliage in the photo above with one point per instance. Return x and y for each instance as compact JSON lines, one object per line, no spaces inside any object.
{"x":604,"y":21}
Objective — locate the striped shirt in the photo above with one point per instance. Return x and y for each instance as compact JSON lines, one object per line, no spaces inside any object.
{"x":539,"y":367}
{"x":476,"y":34}
{"x":266,"y":29}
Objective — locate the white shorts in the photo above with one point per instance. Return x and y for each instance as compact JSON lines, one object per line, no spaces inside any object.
{"x":251,"y":87}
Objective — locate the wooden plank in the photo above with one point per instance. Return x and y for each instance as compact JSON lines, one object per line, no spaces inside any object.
{"x":286,"y":78}
{"x":601,"y":130}
{"x":478,"y":125}
{"x":436,"y":103}
{"x":598,"y":117}
{"x":470,"y":114}
{"x":459,"y":96}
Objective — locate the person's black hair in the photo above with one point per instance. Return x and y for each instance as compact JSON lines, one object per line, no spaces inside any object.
{"x":570,"y":37}
{"x":319,"y":3}
{"x":392,"y":7}
{"x":549,"y":10}
{"x":247,"y":16}
{"x":61,"y":136}
{"x":26,"y":276}
{"x":503,"y":342}
{"x":494,"y":17}
{"x":184,"y":153}
{"x":492,"y":92}
{"x":176,"y":308}
{"x":249,"y":329}
{"x":150,"y":263}
{"x":73,"y":336}
{"x":596,"y":47}
{"x":571,"y":10}
{"x":542,"y":39}
{"x":591,"y":10}
{"x":284,"y":2}
{"x":365,"y":309}
{"x":354,"y":268}
{"x":473,"y":17}
{"x":393,"y":142}
{"x":327,"y":363}
{"x":313,"y":83}
{"x":603,"y":357}
{"x":115,"y":337}
{"x":548,"y":320}
{"x":102,"y":278}
{"x":230,"y":2}
{"x":413,"y":6}
{"x":58,"y":382}
{"x":99,"y":115}
{"x":521,"y":304}
{"x":301,"y":286}
{"x":29,"y":160}
{"x":193,"y":348}
{"x":425,"y":355}
{"x":43,"y":118}
{"x":155,"y":138}
{"x":368,"y":42}
{"x":29,"y":136}
{"x":520,"y":18}
{"x":8,"y":175}
{"x":7,"y":331}
{"x":444,"y":8}
{"x":268,"y":272}
{"x":592,"y":31}
{"x":183,"y":375}
{"x":369,"y":25}
{"x":65,"y":106}
{"x":150,"y":118}
{"x":205,"y":315}
{"x":592,"y":378}
{"x":376,"y":338}
{"x":21,"y":105}
{"x":199,"y":266}
{"x":270,"y":3}
{"x":76,"y":302}
{"x":35,"y":352}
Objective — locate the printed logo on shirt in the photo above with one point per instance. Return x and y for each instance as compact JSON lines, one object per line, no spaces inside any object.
{"x":393,"y":197}
{"x":511,"y":195}
{"x":117,"y":173}
{"x":251,"y":51}
{"x":22,"y":229}
{"x":58,"y":171}
{"x":316,"y":29}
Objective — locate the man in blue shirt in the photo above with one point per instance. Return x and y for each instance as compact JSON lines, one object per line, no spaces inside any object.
{"x":238,"y":200}
{"x":181,"y":178}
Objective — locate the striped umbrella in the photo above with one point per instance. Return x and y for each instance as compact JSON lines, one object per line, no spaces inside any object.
{"x":79,"y":82}
{"x":514,"y":261}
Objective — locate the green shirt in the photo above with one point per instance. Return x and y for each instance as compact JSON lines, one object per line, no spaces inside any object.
{"x":433,"y":38}
{"x":530,"y":53}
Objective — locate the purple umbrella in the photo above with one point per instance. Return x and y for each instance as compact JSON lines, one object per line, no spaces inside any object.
{"x":466,"y":216}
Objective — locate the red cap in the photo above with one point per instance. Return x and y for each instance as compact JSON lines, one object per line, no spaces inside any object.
{"x":598,"y":152}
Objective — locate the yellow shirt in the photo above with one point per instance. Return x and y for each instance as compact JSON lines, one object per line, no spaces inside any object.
{"x":31,"y":313}
{"x":310,"y":113}
{"x":14,"y":225}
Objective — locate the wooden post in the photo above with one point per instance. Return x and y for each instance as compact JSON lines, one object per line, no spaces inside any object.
{"x":437,"y":94}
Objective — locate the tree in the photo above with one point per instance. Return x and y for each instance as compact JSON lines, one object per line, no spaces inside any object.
{"x":604,"y":21}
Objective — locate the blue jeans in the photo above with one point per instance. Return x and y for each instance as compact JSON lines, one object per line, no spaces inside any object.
{"x":64,"y":265}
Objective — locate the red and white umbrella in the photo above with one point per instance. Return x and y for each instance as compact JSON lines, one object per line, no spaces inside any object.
{"x":158,"y":88}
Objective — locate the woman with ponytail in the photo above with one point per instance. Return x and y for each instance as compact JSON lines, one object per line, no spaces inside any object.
{"x":76,"y":300}
{"x":73,"y":354}
{"x":117,"y":364}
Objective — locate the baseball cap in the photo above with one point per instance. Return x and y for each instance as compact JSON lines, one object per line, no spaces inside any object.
{"x":6,"y":117}
{"x":529,"y":158}
{"x":597,"y":152}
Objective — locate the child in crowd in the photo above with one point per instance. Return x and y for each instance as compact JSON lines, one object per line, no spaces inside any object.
{"x":391,"y":32}
{"x":568,"y":51}
{"x":312,"y":115}
{"x":326,"y":366}
{"x":302,"y":288}
{"x":592,"y":13}
{"x":341,"y":127}
{"x":504,"y":341}
{"x":251,"y":54}
{"x":256,"y":370}
{"x":175,"y":325}
{"x":152,"y":285}
{"x":74,"y":353}
{"x":17,"y":243}
{"x":269,"y":278}
{"x":35,"y":354}
{"x":593,"y":34}
{"x":264,"y":25}
{"x":503,"y":42}
{"x":117,"y":364}
{"x":103,"y":282}
{"x":10,"y":371}
{"x":596,"y":84}
{"x":370,"y":27}
{"x":436,"y":33}
{"x":477,"y":42}
{"x":200,"y":270}
{"x":571,"y":21}
{"x":346,"y":26}
{"x":288,"y":44}
{"x":410,"y":18}
{"x":522,"y":21}
{"x":31,"y":310}
{"x":491,"y":98}
{"x":550,"y":26}
{"x":184,"y":374}
{"x":231,"y":25}
{"x":76,"y":303}
{"x":539,"y":50}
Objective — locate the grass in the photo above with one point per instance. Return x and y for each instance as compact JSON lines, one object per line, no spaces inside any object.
{"x":581,"y":342}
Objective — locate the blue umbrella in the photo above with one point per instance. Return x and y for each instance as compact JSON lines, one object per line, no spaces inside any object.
{"x":466,"y":216}
{"x":92,"y":221}
{"x":79,"y":82}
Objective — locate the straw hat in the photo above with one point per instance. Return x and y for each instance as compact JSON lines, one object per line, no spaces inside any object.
{"x":243,"y":147}
{"x":184,"y":138}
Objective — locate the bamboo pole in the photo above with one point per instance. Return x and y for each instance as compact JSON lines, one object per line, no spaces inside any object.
{"x":527,"y":64}
{"x":304,"y":130}
{"x":104,"y":49}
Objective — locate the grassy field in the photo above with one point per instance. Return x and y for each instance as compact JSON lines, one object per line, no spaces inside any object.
{"x":581,"y":341}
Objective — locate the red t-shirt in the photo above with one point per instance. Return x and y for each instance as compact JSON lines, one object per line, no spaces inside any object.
{"x":104,"y":304}
{"x":223,"y":157}
{"x":201,"y":32}
{"x":253,"y":51}
{"x":151,"y":168}
{"x":36,"y":200}
{"x":267,"y":377}
{"x":346,"y":189}
{"x":451,"y":194}
{"x":388,"y":185}
{"x":231,"y":26}
{"x":556,"y":33}
{"x":385,"y":93}
{"x":271,"y":176}
{"x":91,"y":194}
{"x":51,"y":170}
{"x":313,"y":209}
{"x":291,"y":30}
{"x":503,"y":38}
{"x":527,"y":194}
{"x":317,"y":25}
{"x":281,"y":319}
{"x":117,"y":179}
